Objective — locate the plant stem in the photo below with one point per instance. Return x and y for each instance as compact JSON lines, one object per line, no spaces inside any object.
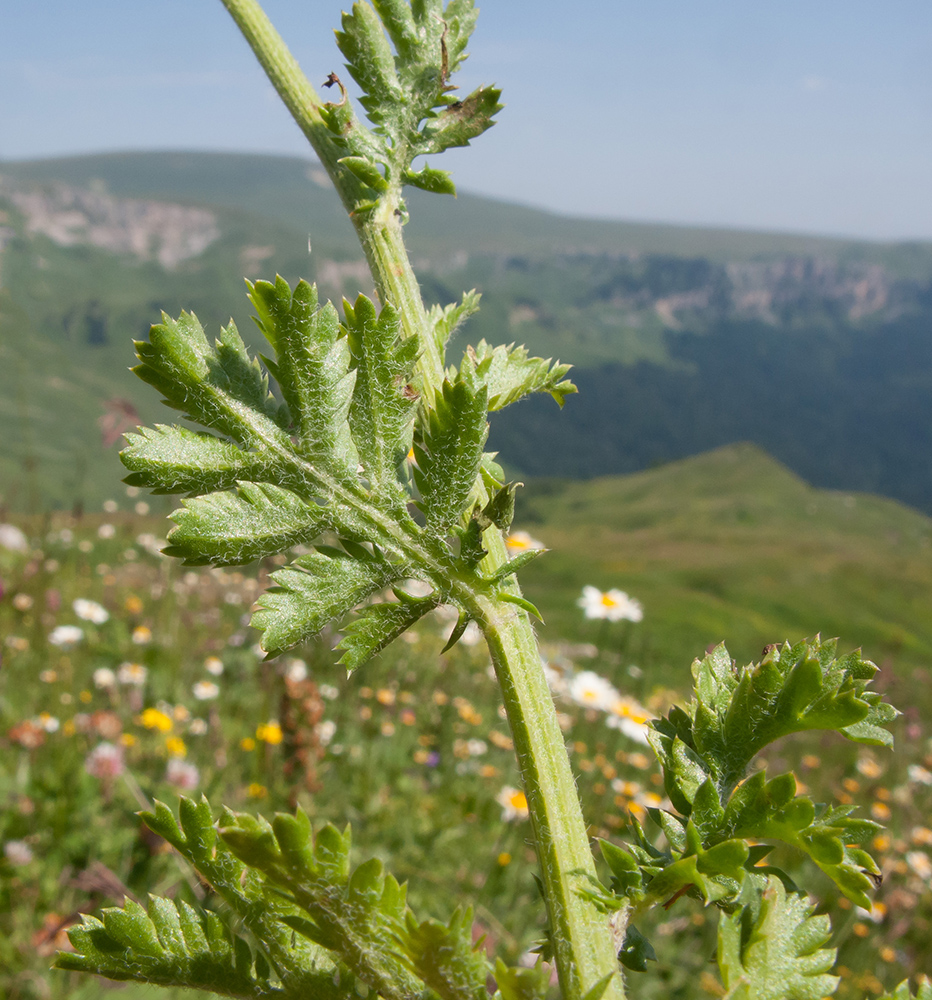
{"x":582,"y":938}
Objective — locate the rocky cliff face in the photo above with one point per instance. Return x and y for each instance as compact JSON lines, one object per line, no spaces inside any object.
{"x":148,"y":230}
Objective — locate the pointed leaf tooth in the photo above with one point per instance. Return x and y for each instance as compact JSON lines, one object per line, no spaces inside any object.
{"x":374,"y":627}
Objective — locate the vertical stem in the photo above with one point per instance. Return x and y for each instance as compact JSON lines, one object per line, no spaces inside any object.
{"x":582,"y":938}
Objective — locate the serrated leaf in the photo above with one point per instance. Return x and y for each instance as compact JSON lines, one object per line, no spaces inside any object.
{"x":449,"y":452}
{"x":233,"y":528}
{"x":170,"y":459}
{"x":461,"y":121}
{"x":446,"y":320}
{"x":430,"y":179}
{"x":312,"y":368}
{"x":369,"y":59}
{"x":780,"y":955}
{"x":124,"y":946}
{"x":317,"y":589}
{"x":383,"y":404}
{"x":374,"y":627}
{"x":214,"y":385}
{"x":443,"y":955}
{"x":509,"y":374}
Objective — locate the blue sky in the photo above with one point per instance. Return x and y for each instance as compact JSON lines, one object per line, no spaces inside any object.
{"x":803,"y":115}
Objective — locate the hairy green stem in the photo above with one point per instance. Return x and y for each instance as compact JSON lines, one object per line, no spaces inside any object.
{"x":582,"y":937}
{"x":379,"y":229}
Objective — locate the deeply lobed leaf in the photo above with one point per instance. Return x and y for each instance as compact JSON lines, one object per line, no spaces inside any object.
{"x":777,"y":953}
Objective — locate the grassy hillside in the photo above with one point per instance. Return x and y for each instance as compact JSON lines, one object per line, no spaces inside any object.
{"x":732,"y":546}
{"x":684,"y":339}
{"x":292,"y":191}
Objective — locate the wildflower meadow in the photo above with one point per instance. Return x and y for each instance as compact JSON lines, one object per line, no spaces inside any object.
{"x":311,"y":744}
{"x":128,"y":678}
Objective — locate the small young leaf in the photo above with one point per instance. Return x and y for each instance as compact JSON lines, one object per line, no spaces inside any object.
{"x":509,"y":374}
{"x":449,"y":452}
{"x":429,"y":179}
{"x":636,"y":951}
{"x":461,"y":121}
{"x":374,"y":627}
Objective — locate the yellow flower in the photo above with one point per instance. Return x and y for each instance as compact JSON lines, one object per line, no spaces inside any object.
{"x":247,"y":743}
{"x":513,"y":803}
{"x":152,"y":718}
{"x":257,"y":791}
{"x":86,"y":697}
{"x":175,"y":746}
{"x":521,"y":541}
{"x":127,"y":739}
{"x":133,"y":604}
{"x":142,"y":635}
{"x":504,"y":859}
{"x":271,"y":733}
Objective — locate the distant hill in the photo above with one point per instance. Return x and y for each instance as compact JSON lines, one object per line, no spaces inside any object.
{"x":731,"y":545}
{"x":684,"y":338}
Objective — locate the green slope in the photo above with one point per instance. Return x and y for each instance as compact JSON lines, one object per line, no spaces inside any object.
{"x":283,"y":188}
{"x":730,"y":545}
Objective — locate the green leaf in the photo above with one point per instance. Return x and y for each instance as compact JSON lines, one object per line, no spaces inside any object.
{"x":449,"y":452}
{"x":382,"y":411}
{"x":374,"y":627}
{"x":461,"y":121}
{"x":509,"y":374}
{"x":521,"y":602}
{"x":369,"y":59}
{"x":233,"y":528}
{"x":312,"y":369}
{"x":366,"y":171}
{"x":169,"y":946}
{"x":316,"y":589}
{"x":443,"y":955}
{"x":447,"y":320}
{"x":458,"y":629}
{"x":736,"y":713}
{"x":177,"y":460}
{"x":219,"y":387}
{"x":429,"y":179}
{"x":780,"y":953}
{"x":636,"y":951}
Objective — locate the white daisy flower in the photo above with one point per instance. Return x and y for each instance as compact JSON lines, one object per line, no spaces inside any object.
{"x":589,"y":689}
{"x":66,"y":636}
{"x":90,"y":611}
{"x":613,"y":605}
{"x":513,"y":803}
{"x":205,"y":690}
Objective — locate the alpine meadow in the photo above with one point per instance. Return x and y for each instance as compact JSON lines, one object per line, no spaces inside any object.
{"x":401,"y":704}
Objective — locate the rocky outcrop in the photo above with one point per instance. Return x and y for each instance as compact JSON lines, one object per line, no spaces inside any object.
{"x":148,"y":230}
